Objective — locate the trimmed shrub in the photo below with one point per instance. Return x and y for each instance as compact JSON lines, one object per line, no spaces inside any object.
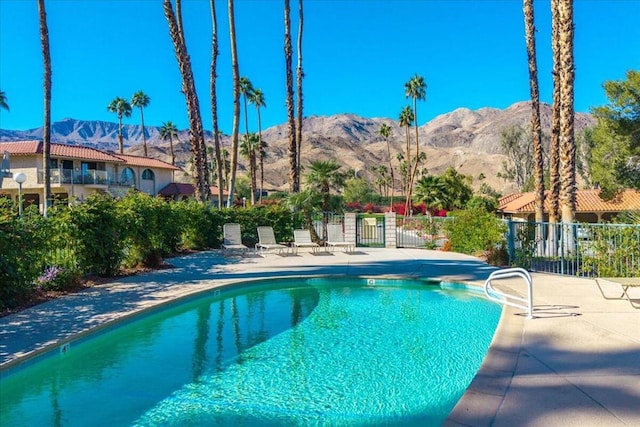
{"x":474,"y":232}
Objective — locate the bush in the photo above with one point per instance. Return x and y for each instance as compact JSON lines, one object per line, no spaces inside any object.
{"x":151,"y":229}
{"x":21,"y":249}
{"x":488,"y":204}
{"x":613,"y":252}
{"x":104,"y":234}
{"x":96,"y":235}
{"x":200,"y":224}
{"x":280,"y":218}
{"x":474,"y":232}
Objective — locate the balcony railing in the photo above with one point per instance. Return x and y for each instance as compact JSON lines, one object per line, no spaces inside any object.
{"x":72,"y":176}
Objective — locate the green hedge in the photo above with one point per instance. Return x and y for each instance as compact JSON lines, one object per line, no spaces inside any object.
{"x":103,"y":235}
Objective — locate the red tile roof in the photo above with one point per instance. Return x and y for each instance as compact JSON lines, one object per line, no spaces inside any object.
{"x":586,"y":201}
{"x":145,"y":162}
{"x":26,"y":148}
{"x":182,"y":189}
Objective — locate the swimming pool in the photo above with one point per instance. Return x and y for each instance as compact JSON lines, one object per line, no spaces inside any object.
{"x":320,"y":351}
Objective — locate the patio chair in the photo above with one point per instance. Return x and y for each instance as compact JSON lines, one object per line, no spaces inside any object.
{"x":625,"y":283}
{"x":232,"y":239}
{"x":302,"y":239}
{"x":267,"y":242}
{"x":335,"y":238}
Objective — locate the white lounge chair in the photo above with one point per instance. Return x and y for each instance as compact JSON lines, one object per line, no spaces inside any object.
{"x":267,"y":241}
{"x":625,"y":283}
{"x":335,"y":238}
{"x":232,"y":239}
{"x":302,"y":239}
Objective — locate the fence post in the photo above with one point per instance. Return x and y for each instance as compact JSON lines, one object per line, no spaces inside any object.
{"x":350,"y":227}
{"x":511,"y":240}
{"x":390,"y":230}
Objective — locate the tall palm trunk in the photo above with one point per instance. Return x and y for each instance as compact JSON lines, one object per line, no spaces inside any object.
{"x":173,"y":156}
{"x":300,"y":76}
{"x":252,"y":170}
{"x":407,"y":184}
{"x":196,"y":132}
{"x":252,"y":157}
{"x":260,"y":152}
{"x":414,"y":170}
{"x":567,"y":137}
{"x":385,"y":131}
{"x":144,"y":136}
{"x":214,"y":102}
{"x":120,"y":140}
{"x":294,"y":172}
{"x":236,"y":103}
{"x":46,"y":137}
{"x":554,"y":148}
{"x":536,"y":128}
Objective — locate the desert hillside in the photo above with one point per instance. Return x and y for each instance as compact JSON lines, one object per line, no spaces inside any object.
{"x":468,"y":140}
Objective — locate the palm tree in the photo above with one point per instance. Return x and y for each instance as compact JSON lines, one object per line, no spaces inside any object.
{"x":406,"y":119}
{"x":248,"y":148}
{"x":122,"y":108}
{"x":236,"y":103}
{"x":306,"y":202}
{"x":46,"y":136}
{"x":536,"y":128}
{"x":432,"y":192}
{"x":567,"y":137}
{"x":322,"y":175}
{"x":3,"y":101}
{"x":554,"y":146}
{"x":300,"y":76}
{"x":196,"y":132}
{"x":141,"y":100}
{"x":214,"y":102}
{"x":294,"y":171}
{"x":385,"y":131}
{"x":415,"y":89}
{"x":168,"y":131}
{"x":257,"y":99}
{"x":246,"y":90}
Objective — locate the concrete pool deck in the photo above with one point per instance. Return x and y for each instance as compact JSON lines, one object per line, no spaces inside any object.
{"x":576,"y":363}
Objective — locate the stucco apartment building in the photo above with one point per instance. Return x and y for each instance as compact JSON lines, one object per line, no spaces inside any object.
{"x":77,"y":172}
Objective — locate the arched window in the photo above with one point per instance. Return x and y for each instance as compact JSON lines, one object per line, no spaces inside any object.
{"x":148,"y":175}
{"x":128,"y":177}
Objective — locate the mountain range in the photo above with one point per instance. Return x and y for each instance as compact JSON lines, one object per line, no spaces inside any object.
{"x":469,"y":140}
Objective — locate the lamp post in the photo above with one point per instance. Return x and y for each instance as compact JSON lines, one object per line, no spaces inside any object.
{"x":20,"y":178}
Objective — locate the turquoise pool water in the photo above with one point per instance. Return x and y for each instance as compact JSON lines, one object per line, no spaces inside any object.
{"x":306,"y":352}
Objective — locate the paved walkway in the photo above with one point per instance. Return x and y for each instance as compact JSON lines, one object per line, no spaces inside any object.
{"x":577,"y":363}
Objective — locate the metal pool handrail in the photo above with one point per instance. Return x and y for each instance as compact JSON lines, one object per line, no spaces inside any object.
{"x":508,"y":299}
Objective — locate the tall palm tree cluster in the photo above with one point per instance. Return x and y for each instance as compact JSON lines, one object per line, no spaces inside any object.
{"x":562,"y":161}
{"x":252,"y":147}
{"x":562,"y":156}
{"x":415,"y":88}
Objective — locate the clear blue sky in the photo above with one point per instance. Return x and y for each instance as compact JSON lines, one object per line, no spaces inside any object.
{"x":357,"y":55}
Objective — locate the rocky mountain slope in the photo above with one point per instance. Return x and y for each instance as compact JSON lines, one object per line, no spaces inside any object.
{"x":468,"y":140}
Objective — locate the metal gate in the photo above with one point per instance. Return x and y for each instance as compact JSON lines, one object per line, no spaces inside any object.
{"x":370,"y":231}
{"x":420,"y":232}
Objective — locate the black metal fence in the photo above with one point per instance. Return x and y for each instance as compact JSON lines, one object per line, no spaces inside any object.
{"x":370,"y":231}
{"x":578,"y":249}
